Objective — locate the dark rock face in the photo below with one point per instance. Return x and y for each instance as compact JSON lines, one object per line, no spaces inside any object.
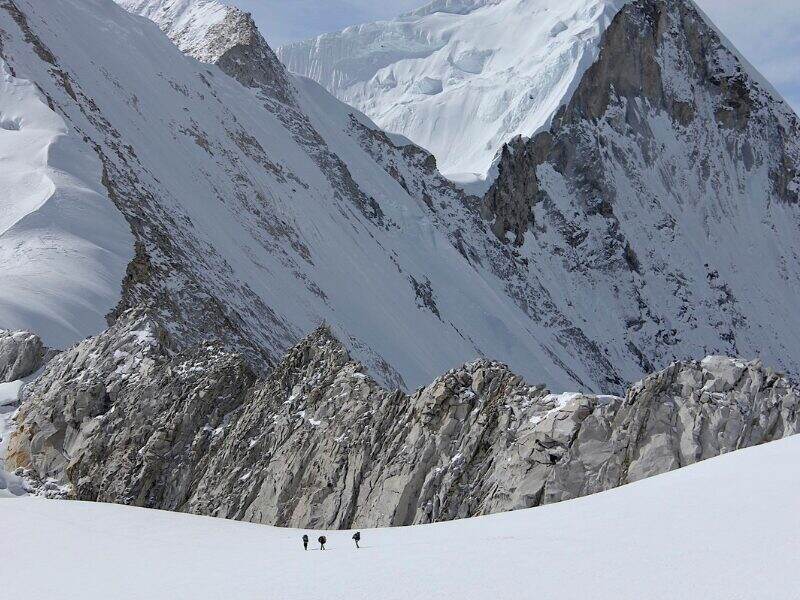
{"x":123,"y":418}
{"x":509,"y":202}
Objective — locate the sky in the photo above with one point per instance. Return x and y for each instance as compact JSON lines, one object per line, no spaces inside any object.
{"x":766,"y":32}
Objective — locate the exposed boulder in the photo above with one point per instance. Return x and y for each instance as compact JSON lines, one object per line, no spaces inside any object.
{"x":318,"y":443}
{"x":21,"y":354}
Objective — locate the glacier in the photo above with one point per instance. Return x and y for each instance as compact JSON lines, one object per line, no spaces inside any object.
{"x":460,"y":78}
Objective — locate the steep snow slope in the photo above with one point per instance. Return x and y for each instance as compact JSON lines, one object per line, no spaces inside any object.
{"x":258,"y":213}
{"x":461,"y":78}
{"x":719,"y":530}
{"x":64,"y":246}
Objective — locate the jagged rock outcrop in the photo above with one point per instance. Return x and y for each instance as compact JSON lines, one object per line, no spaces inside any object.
{"x":89,"y":395}
{"x":123,"y":418}
{"x":21,"y":354}
{"x":246,"y":56}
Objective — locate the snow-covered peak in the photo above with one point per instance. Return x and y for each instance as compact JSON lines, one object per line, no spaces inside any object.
{"x":461,"y":77}
{"x":249,"y":205}
{"x":219,"y":34}
{"x":186,"y":22}
{"x":244,"y":217}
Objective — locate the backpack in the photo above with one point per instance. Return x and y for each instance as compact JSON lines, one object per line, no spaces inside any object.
{"x":357,"y":536}
{"x":322,"y":539}
{"x":305,"y":538}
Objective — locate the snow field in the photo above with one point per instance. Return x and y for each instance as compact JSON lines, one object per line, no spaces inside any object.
{"x":64,"y":247}
{"x":722,"y":529}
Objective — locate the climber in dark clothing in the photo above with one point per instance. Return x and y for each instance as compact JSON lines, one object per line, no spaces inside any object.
{"x":322,"y":541}
{"x":357,"y":538}
{"x":305,"y":542}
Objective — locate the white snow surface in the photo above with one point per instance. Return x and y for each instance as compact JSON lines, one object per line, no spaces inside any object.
{"x":63,"y":245}
{"x":724,"y":529}
{"x":461,"y":77}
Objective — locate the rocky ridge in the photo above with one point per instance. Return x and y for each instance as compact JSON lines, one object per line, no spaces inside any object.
{"x":124,"y":417}
{"x":223,"y":35}
{"x":22,"y":355}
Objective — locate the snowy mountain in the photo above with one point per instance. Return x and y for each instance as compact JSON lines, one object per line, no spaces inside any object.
{"x":247,"y":205}
{"x":181,"y":211}
{"x":461,"y":77}
{"x":666,"y":192}
{"x":722,"y":529}
{"x":251,"y":213}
